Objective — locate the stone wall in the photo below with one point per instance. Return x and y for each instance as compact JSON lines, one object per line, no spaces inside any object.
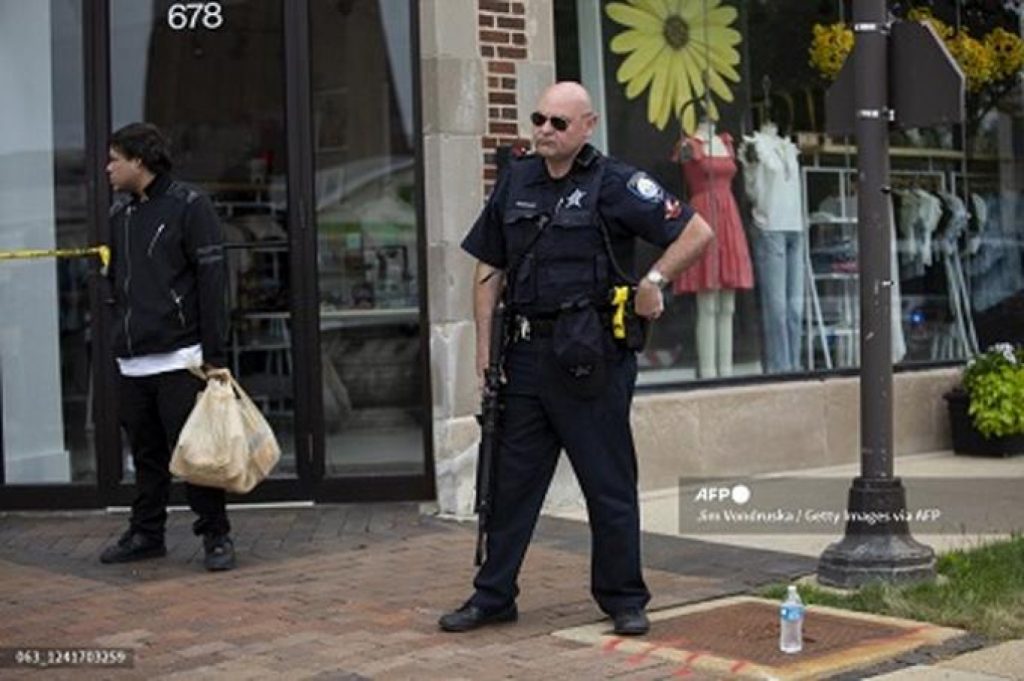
{"x":769,"y":428}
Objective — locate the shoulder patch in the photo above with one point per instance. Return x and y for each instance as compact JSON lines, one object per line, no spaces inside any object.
{"x":645,"y":188}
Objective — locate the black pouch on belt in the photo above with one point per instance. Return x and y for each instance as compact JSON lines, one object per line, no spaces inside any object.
{"x":638,"y":329}
{"x":578,"y":349}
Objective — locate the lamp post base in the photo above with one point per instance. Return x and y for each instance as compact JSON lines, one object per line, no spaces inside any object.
{"x":877,"y":546}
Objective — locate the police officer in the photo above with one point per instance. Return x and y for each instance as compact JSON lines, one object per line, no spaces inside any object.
{"x":556,"y":235}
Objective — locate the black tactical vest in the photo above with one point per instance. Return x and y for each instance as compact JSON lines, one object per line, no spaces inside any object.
{"x":568,"y":261}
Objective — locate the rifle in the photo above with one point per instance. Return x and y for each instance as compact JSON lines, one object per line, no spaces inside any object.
{"x":489,"y":420}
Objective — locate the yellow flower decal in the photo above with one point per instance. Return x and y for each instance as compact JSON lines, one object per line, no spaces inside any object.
{"x":829,"y":48}
{"x":679,"y":49}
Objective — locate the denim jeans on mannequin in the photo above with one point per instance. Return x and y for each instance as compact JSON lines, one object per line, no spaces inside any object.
{"x":780,"y":263}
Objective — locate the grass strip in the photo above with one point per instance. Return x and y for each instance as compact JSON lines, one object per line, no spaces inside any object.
{"x":980,"y":589}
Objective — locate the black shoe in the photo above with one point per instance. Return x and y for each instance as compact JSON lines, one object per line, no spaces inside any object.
{"x":133,"y":546}
{"x":470,"y":617}
{"x":220,"y":552}
{"x":631,"y":622}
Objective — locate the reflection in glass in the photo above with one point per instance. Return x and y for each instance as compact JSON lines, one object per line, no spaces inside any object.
{"x":956,"y":252}
{"x":368,"y":261}
{"x":219,"y":96}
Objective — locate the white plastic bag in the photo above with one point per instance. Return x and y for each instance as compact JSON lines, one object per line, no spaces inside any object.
{"x":225,"y":442}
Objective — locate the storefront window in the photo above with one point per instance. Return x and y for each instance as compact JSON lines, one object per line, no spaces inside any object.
{"x":45,"y":369}
{"x":723,"y":102}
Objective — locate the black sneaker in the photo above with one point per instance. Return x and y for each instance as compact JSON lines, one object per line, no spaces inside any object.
{"x":220,"y":552}
{"x":470,"y":617}
{"x":133,"y":546}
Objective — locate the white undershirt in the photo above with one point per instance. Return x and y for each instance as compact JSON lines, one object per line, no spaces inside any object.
{"x":150,"y":365}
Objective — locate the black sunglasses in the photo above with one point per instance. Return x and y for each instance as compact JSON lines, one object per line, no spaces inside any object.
{"x":559,"y":123}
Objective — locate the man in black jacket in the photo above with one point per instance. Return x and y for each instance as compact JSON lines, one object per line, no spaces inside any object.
{"x":167,"y":269}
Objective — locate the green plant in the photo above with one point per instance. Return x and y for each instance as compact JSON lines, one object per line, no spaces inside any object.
{"x":981,"y":589}
{"x":994,"y":382}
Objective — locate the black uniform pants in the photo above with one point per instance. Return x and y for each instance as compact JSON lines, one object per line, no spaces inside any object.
{"x":540,"y":419}
{"x":153,"y":410}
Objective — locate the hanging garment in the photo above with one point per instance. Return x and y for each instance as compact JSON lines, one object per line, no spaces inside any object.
{"x":771,"y":177}
{"x":726,"y":263}
{"x":907,"y":207}
{"x":930,"y":211}
{"x":899,"y":342}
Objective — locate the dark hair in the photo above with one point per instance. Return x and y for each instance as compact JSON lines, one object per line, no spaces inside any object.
{"x":145,"y":142}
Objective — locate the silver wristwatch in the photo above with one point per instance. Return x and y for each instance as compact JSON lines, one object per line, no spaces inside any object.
{"x":656,"y":278}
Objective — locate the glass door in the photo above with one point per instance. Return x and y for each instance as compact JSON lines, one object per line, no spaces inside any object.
{"x":211,"y":75}
{"x":368,"y":251}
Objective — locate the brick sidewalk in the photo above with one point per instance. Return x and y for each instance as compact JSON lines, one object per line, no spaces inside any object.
{"x":334,"y":592}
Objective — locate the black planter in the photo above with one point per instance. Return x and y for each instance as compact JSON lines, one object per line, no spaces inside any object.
{"x":966,"y":438}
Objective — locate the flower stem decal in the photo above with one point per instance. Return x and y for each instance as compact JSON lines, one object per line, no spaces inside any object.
{"x":678,"y":50}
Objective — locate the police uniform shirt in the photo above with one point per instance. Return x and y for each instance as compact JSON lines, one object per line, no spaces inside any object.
{"x":631,"y":203}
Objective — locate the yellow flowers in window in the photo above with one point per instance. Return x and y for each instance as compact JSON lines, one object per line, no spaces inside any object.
{"x":999,"y":56}
{"x":974,"y":58}
{"x":925,"y":15}
{"x":1007,"y":50}
{"x":681,"y":52}
{"x":829,"y":48}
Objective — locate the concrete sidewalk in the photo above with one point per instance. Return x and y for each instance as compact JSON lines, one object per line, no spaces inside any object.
{"x":349,"y":592}
{"x":661,"y":517}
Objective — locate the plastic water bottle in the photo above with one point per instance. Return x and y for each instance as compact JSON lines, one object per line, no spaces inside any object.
{"x":791,"y":622}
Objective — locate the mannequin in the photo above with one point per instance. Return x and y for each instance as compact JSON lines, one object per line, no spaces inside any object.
{"x":771,"y":177}
{"x":708,"y":168}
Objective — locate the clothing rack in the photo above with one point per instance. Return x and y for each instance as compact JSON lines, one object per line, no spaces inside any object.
{"x":961,"y":338}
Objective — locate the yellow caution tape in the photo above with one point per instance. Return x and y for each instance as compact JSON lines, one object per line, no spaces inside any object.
{"x":620,"y":296}
{"x":102,"y":252}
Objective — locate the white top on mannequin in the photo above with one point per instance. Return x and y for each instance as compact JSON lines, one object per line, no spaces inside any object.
{"x":771,"y":176}
{"x":713,"y":143}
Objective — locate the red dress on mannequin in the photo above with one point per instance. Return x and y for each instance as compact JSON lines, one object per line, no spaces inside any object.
{"x":726,"y":263}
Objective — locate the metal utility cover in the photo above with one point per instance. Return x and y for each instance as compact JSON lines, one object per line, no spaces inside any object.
{"x":926,"y":85}
{"x":738,"y":637}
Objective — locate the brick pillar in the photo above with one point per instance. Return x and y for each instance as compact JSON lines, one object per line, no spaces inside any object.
{"x":503,"y":43}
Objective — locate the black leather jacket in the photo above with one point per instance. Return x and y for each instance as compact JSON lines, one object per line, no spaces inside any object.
{"x":167,"y":271}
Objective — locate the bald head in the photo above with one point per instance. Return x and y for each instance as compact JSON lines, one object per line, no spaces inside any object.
{"x":568,"y":122}
{"x":568,"y":94}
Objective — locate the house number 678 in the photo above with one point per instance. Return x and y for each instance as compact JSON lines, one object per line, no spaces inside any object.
{"x":193,"y":15}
